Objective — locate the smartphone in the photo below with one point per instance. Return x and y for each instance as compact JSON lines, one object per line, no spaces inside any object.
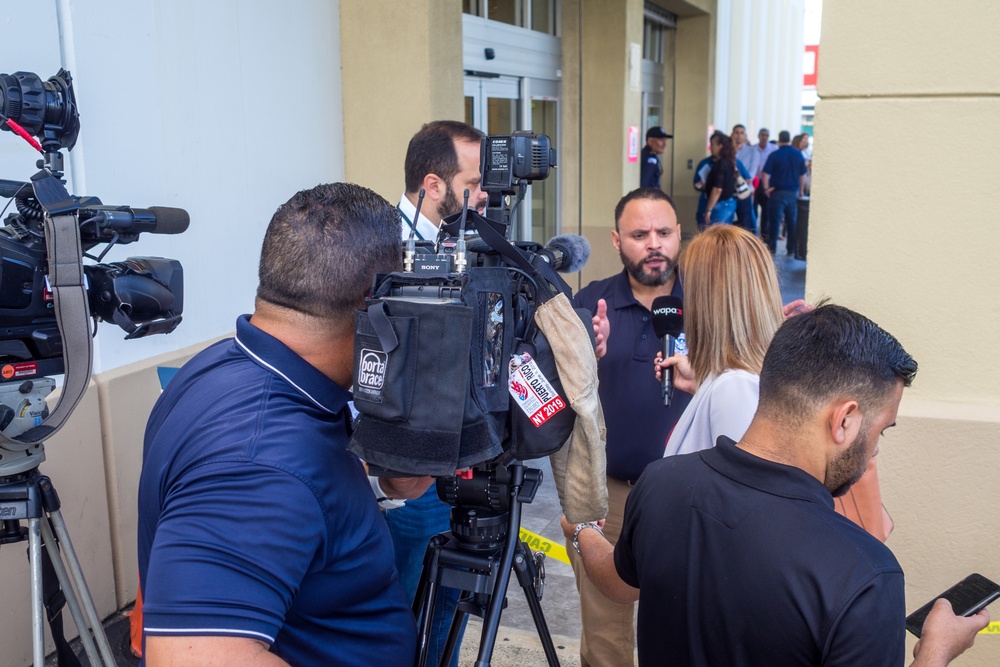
{"x":967,"y":597}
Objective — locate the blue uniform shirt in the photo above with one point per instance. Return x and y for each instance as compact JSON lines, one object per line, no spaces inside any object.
{"x":254,"y":519}
{"x":637,"y":422}
{"x":784,"y":167}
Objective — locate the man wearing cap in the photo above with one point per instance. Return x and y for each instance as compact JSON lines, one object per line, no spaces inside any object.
{"x":656,"y":142}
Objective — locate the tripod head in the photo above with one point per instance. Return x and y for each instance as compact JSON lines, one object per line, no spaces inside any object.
{"x":22,"y":407}
{"x":480,"y":499}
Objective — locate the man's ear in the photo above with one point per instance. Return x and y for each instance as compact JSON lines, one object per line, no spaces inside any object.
{"x":845,"y":422}
{"x":616,"y":240}
{"x":434,"y":187}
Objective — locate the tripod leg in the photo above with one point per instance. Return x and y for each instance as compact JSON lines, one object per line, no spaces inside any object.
{"x":491,"y":622}
{"x":77,"y":572}
{"x":423,"y":604}
{"x":55,"y":557}
{"x":523,"y":566}
{"x":35,"y":561}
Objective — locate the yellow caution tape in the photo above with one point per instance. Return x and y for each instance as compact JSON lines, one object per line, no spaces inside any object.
{"x":991,"y":629}
{"x":545,"y":545}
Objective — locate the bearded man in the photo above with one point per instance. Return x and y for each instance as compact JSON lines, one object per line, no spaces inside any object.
{"x":647,"y":237}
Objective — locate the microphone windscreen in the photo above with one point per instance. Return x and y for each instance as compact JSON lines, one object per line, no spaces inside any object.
{"x":170,"y":220}
{"x":668,"y":316}
{"x":576,"y":249}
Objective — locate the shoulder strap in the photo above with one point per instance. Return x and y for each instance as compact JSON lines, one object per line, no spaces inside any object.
{"x":68,"y":284}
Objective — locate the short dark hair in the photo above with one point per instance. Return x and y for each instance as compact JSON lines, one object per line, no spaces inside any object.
{"x":324,"y":246}
{"x":784,"y":137}
{"x":739,"y":125}
{"x":831,"y":351}
{"x":432,"y":151}
{"x":642,"y":193}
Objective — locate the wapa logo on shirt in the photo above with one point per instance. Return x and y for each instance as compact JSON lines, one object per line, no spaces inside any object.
{"x":371,"y":374}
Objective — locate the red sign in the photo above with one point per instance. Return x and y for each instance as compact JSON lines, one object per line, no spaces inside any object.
{"x":810,"y":66}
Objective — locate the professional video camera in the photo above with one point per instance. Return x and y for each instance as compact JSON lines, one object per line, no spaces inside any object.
{"x":453,"y":373}
{"x":142,"y":295}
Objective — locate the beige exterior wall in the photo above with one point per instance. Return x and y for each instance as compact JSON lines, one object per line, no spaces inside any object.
{"x":903,"y":228}
{"x":402,"y":67}
{"x":609,"y":106}
{"x":695,"y":77}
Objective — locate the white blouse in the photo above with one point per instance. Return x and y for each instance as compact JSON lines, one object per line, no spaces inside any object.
{"x":723,"y":405}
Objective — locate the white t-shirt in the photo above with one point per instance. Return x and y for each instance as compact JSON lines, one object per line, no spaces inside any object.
{"x":723,"y":405}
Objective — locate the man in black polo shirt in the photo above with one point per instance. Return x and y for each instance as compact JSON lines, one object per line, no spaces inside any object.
{"x":647,"y":237}
{"x":737,"y":552}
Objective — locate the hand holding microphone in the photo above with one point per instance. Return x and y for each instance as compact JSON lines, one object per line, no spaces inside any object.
{"x":668,"y":323}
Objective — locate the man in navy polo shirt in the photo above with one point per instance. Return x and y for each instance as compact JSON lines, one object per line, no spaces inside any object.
{"x":737,"y":552}
{"x":260,"y":541}
{"x":784,"y":179}
{"x":647,"y":237}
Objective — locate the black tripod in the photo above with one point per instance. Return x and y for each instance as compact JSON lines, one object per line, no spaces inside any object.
{"x":30,"y":496}
{"x":477,"y":557}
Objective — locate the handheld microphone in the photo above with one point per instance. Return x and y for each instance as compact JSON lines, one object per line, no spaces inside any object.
{"x":567,"y":253}
{"x":668,"y":323}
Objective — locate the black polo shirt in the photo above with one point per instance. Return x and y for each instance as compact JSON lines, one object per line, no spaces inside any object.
{"x":637,"y":422}
{"x":740,"y":561}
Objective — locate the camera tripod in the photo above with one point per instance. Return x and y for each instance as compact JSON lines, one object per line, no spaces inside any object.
{"x":477,"y":556}
{"x":31,"y":496}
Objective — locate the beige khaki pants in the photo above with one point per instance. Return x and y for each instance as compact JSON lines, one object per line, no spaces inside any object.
{"x":608,"y":636}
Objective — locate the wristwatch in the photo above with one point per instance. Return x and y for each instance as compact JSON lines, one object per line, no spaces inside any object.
{"x":576,"y":533}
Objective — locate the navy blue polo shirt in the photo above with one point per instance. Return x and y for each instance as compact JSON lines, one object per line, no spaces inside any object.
{"x":632,"y":398}
{"x":784,"y":167}
{"x":740,"y":561}
{"x":254,"y":519}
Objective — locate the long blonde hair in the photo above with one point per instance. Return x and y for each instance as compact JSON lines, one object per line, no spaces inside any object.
{"x":732,"y":303}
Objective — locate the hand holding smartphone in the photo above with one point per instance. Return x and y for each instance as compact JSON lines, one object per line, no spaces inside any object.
{"x":967,"y":598}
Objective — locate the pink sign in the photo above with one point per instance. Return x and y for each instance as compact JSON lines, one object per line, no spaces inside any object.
{"x":633,"y":143}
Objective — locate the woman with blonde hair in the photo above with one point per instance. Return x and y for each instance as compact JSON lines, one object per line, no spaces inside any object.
{"x":732,"y":307}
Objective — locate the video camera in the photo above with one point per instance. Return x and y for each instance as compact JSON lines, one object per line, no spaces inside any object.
{"x":451,"y":370}
{"x":142,"y":295}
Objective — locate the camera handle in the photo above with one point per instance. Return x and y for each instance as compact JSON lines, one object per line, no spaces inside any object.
{"x":67,"y":282}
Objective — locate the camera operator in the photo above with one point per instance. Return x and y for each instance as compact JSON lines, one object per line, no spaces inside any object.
{"x":737,"y":552}
{"x":443,"y":159}
{"x":259,"y":539}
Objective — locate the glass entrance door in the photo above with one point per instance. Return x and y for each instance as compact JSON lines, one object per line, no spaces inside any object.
{"x":500,"y":105}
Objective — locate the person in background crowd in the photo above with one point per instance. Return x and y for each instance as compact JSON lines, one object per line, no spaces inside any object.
{"x":763,"y":148}
{"x":784,"y":178}
{"x":652,"y":169}
{"x":720,"y":184}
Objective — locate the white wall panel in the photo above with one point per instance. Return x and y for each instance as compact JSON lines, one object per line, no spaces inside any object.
{"x":220,"y":107}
